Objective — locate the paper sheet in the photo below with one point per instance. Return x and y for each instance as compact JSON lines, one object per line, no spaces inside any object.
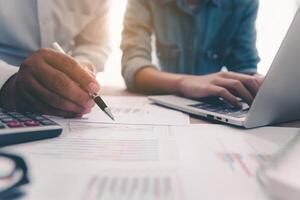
{"x":209,"y":161}
{"x":220,"y":162}
{"x":133,"y":110}
{"x":96,"y":161}
{"x":98,"y":142}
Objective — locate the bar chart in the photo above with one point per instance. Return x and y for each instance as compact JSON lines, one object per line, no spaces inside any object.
{"x":132,"y":186}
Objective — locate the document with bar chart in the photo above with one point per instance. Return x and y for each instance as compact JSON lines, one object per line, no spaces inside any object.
{"x":109,"y":162}
{"x":109,"y":185}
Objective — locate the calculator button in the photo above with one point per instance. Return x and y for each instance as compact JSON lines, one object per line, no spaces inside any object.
{"x":39,"y":118}
{"x":12,"y":113}
{"x":2,"y":126}
{"x":31,"y":115}
{"x":27,"y":113}
{"x":47,"y":122}
{"x":24,"y":119}
{"x":14,"y":124}
{"x":31,"y":123}
{"x":18,"y":116}
{"x":2,"y":116}
{"x":7,"y":120}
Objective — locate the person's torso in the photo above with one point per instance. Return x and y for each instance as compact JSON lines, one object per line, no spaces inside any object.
{"x":27,"y":25}
{"x":194,"y":41}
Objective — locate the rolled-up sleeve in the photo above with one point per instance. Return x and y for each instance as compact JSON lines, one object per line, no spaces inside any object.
{"x":93,"y":43}
{"x":136,"y":41}
{"x":243,"y":57}
{"x":6,"y":71}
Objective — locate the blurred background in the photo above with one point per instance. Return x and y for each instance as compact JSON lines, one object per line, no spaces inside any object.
{"x":273,"y":21}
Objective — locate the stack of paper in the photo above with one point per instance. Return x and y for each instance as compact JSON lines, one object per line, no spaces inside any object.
{"x":101,"y":161}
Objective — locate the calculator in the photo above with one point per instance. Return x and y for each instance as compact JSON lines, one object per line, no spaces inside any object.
{"x":16,"y":128}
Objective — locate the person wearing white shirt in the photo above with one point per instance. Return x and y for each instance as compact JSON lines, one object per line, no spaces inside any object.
{"x":33,"y":77}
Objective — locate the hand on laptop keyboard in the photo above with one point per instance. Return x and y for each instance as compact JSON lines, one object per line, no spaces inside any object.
{"x":218,"y":105}
{"x":228,"y":85}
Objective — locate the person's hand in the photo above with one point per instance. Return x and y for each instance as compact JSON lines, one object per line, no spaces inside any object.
{"x":50,"y":83}
{"x":228,"y":85}
{"x":260,"y":78}
{"x":88,"y":67}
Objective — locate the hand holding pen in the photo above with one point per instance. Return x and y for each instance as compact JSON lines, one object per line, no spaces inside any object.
{"x":98,"y":100}
{"x":49,"y":82}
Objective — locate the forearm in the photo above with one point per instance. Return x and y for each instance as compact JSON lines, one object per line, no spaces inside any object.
{"x":150,"y":80}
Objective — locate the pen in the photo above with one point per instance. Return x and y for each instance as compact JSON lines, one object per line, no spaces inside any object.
{"x":98,"y":100}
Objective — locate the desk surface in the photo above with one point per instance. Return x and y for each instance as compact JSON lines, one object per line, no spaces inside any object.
{"x":119,"y":91}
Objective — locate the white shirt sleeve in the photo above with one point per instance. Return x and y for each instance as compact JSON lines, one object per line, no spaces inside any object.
{"x":93,"y":43}
{"x":6,"y":71}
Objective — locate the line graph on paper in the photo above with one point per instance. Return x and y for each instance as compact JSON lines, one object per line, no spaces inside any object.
{"x":109,"y":143}
{"x":242,"y":162}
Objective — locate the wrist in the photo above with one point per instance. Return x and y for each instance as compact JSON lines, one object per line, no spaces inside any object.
{"x":180,"y":84}
{"x":8,"y":93}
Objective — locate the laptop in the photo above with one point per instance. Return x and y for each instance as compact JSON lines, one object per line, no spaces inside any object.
{"x":278,"y":99}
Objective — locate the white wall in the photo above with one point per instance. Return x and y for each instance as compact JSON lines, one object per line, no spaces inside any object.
{"x":273,"y":21}
{"x":112,"y":75}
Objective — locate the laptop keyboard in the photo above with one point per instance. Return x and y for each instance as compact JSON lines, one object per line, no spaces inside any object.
{"x":221,"y":107}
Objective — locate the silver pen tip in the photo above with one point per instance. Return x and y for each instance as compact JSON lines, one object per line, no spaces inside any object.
{"x":109,"y":113}
{"x":94,"y":95}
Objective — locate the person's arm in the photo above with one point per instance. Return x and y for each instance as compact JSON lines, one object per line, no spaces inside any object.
{"x":142,"y":76}
{"x":92,"y":45}
{"x":243,"y":57}
{"x":228,"y":85}
{"x":136,"y":41}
